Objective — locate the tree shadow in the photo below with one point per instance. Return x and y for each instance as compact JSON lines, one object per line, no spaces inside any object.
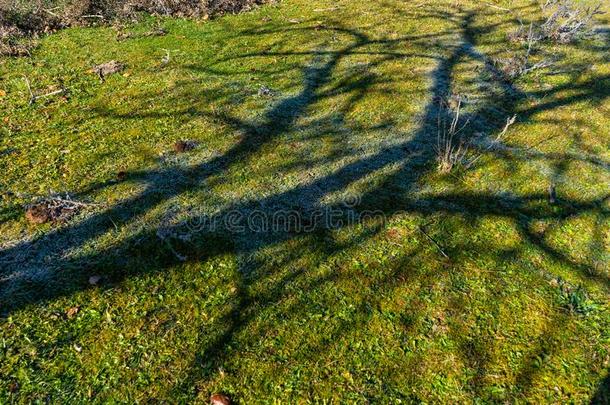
{"x":413,"y":155}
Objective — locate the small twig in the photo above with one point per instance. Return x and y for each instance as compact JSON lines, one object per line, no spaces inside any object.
{"x":34,"y":97}
{"x":497,"y":7}
{"x":63,"y":90}
{"x":541,"y":142}
{"x":433,"y":241}
{"x":509,"y":122}
{"x":50,"y":12}
{"x":540,"y":65}
{"x":73,"y":203}
{"x":165,"y":239}
{"x":27,"y":83}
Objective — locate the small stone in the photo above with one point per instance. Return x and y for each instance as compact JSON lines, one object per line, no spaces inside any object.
{"x":109,"y":68}
{"x":94,"y":280}
{"x":265,"y":91}
{"x":552,"y":194}
{"x":220,"y":399}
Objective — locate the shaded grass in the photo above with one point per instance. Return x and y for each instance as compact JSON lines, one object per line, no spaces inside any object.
{"x":371,"y":311}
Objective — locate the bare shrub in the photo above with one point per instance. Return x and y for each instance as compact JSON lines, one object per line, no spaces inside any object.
{"x":569,"y":21}
{"x":451,"y":149}
{"x":520,"y":63}
{"x":566,"y":21}
{"x":454,"y":149}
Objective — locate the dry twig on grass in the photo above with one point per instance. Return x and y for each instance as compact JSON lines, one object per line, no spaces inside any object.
{"x":55,"y":209}
{"x":519,"y":65}
{"x":34,"y":97}
{"x":431,"y":239}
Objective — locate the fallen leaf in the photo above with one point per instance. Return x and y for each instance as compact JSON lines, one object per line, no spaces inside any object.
{"x":2,"y":93}
{"x":184,"y":146}
{"x":220,"y":399}
{"x":71,"y":313}
{"x":38,"y":214}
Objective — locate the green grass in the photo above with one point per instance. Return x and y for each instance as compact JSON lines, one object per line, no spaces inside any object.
{"x":371,"y":311}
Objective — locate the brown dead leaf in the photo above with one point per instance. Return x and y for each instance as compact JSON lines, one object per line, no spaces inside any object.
{"x":185,"y":146}
{"x":38,"y":214}
{"x":220,"y":399}
{"x":71,"y":313}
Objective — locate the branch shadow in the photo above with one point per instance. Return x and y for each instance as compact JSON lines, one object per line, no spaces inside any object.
{"x":413,"y":154}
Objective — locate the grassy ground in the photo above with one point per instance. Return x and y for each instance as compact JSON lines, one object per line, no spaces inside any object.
{"x":467,"y":290}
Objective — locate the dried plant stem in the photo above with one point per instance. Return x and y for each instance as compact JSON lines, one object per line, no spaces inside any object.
{"x":438,"y":246}
{"x":34,"y":97}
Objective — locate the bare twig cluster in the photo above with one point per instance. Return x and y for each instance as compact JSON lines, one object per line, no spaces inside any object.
{"x":521,"y":64}
{"x":55,"y":209}
{"x":453,"y":148}
{"x":35,"y":97}
{"x":566,"y":22}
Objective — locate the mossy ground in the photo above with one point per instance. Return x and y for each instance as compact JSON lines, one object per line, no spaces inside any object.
{"x":370,"y":311}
